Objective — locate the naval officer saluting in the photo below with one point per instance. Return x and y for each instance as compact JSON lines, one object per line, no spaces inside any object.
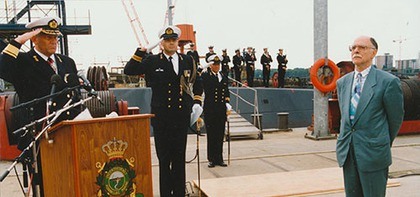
{"x":171,"y":77}
{"x":216,"y":106}
{"x":31,"y":73}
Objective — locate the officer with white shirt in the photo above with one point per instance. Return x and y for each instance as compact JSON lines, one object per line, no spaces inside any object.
{"x":216,"y":106}
{"x":170,"y":74}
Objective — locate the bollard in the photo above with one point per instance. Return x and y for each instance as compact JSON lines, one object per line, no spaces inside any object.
{"x":283,"y":120}
{"x":258,"y":123}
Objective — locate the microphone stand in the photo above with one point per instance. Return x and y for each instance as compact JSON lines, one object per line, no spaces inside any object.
{"x":198,"y":159}
{"x":32,"y":145}
{"x":197,"y":154}
{"x":37,"y":100}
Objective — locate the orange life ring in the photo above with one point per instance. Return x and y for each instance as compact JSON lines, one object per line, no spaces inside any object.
{"x":317,"y":82}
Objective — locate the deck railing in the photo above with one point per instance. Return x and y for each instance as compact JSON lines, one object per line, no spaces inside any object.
{"x":253,"y":104}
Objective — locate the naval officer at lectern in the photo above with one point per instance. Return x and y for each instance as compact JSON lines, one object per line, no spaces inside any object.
{"x":31,"y":74}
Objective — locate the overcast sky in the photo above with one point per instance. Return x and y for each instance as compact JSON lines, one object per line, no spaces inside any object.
{"x":236,"y":24}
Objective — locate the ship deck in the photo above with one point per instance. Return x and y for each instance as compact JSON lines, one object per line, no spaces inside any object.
{"x":282,"y":164}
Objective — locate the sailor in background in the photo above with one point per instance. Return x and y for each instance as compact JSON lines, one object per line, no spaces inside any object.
{"x":237,"y":65}
{"x":282,"y":61}
{"x":250,"y":66}
{"x":265,"y":62}
{"x":31,"y":72}
{"x":225,"y":63}
{"x":211,"y":52}
{"x":194,"y":54}
{"x":176,"y":92}
{"x":216,"y":106}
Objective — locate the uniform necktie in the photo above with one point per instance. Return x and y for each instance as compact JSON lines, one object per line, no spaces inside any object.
{"x":170,"y":61}
{"x":355,"y":96}
{"x":51,"y":62}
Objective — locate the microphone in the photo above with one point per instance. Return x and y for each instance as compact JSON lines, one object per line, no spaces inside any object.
{"x":87,"y":86}
{"x":56,"y":82}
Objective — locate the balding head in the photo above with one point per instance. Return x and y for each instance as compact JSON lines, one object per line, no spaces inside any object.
{"x":363,"y":51}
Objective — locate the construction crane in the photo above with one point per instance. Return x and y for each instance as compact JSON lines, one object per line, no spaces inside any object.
{"x":399,"y":41}
{"x":135,"y":23}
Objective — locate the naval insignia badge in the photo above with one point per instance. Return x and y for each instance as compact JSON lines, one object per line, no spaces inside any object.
{"x":53,"y":24}
{"x":116,"y":177}
{"x":169,"y":31}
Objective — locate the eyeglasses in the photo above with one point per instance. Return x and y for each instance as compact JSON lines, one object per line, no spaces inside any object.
{"x":360,"y":47}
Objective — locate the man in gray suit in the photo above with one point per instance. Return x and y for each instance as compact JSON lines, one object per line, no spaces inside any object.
{"x":371,"y":105}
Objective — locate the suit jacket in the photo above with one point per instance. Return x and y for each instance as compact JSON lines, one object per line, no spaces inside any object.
{"x":379,"y":115}
{"x":170,"y":104}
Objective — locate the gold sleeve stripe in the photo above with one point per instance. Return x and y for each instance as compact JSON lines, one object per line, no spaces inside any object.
{"x":227,"y":99}
{"x":198,"y":97}
{"x":137,"y":58}
{"x":11,"y":50}
{"x":9,"y":53}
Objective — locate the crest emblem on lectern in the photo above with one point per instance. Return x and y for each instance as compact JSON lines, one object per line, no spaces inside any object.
{"x":116,"y":177}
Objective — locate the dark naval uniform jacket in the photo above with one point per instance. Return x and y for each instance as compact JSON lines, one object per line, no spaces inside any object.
{"x":31,"y":75}
{"x":216,"y":94}
{"x":250,"y":60}
{"x":168,"y":99}
{"x":225,"y":65}
{"x":250,"y":68}
{"x":281,"y":59}
{"x":195,"y":56}
{"x":237,"y":66}
{"x":265,"y":61}
{"x":237,"y":61}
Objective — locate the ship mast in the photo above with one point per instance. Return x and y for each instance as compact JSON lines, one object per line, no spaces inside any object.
{"x":170,"y":7}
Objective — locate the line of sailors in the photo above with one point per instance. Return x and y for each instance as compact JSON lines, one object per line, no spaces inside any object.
{"x":247,"y":59}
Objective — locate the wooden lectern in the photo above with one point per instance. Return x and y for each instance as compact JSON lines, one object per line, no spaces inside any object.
{"x":98,"y":157}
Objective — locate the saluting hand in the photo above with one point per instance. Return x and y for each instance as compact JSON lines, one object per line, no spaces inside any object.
{"x":144,"y":49}
{"x":28,"y":35}
{"x":151,"y":46}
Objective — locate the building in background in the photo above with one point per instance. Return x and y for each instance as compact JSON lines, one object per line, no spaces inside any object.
{"x":384,"y":62}
{"x":407,"y":67}
{"x":406,"y":64}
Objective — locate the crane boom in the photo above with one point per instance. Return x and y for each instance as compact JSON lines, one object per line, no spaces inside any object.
{"x":135,"y":21}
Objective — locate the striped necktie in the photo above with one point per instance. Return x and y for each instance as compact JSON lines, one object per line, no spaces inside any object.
{"x":355,"y":97}
{"x":51,"y":62}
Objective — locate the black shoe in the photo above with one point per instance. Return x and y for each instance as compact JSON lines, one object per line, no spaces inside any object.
{"x":211,"y":165}
{"x":223,"y":164}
